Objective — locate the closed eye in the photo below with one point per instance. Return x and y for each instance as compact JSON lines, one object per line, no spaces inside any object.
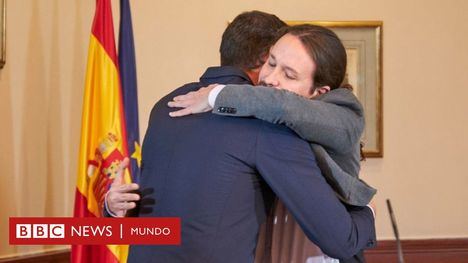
{"x":289,"y":76}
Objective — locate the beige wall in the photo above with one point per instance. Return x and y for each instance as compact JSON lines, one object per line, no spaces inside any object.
{"x":425,"y":110}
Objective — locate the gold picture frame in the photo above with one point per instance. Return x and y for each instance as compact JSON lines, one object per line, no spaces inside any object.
{"x":363,"y":43}
{"x":2,"y":33}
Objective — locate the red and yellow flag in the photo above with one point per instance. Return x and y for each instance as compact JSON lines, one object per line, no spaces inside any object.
{"x":103,"y":138}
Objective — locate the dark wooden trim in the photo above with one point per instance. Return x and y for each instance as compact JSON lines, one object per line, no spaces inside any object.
{"x":424,"y":250}
{"x":58,"y":256}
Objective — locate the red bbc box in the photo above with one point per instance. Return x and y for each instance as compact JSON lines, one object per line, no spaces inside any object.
{"x":94,"y":231}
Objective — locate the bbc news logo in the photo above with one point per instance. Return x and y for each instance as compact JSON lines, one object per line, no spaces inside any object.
{"x":40,"y":231}
{"x":94,"y":231}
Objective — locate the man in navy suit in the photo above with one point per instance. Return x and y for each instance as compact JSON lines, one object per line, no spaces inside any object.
{"x":211,"y":170}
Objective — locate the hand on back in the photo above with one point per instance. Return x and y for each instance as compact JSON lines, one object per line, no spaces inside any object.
{"x":192,"y":102}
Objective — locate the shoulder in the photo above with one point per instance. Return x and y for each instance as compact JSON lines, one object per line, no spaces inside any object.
{"x":193,"y":86}
{"x":344,"y":98}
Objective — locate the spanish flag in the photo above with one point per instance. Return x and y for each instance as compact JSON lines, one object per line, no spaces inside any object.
{"x":103,"y":134}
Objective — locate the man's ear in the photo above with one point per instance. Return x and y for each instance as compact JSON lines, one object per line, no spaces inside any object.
{"x":320,"y":90}
{"x":253,"y":74}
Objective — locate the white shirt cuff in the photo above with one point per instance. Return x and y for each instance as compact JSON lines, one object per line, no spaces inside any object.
{"x":213,"y":94}
{"x":372,"y":209}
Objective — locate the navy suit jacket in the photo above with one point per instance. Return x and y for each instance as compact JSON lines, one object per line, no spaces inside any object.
{"x":205,"y":169}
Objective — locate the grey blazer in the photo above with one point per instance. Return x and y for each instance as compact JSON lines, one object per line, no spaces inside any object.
{"x":333,"y":123}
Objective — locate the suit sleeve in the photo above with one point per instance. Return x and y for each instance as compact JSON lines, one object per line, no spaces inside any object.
{"x":288,"y":166}
{"x":336,"y":127}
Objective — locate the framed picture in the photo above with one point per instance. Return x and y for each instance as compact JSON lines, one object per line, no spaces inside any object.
{"x":363,"y":43}
{"x":2,"y":33}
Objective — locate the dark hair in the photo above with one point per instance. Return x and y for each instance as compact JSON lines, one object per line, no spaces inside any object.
{"x":248,"y":38}
{"x":325,"y":49}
